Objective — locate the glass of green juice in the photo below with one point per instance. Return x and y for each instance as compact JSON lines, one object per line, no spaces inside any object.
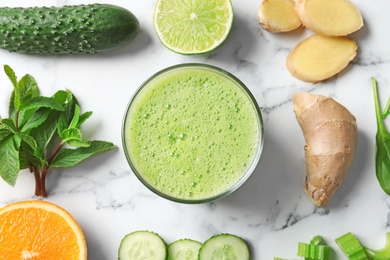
{"x":192,"y":133}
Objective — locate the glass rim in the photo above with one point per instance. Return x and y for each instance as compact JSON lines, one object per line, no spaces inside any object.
{"x":255,"y":159}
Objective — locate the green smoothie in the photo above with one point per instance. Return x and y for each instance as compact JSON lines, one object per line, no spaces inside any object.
{"x":192,"y":133}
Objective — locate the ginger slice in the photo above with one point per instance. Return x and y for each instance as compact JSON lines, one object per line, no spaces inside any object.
{"x":329,"y":17}
{"x":320,"y":57}
{"x":278,"y":16}
{"x":330,"y":132}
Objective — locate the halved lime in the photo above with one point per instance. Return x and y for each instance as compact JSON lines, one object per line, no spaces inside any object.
{"x":193,"y":26}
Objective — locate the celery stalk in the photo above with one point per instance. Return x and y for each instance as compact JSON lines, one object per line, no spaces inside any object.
{"x":382,"y":254}
{"x":351,"y":247}
{"x":315,"y":252}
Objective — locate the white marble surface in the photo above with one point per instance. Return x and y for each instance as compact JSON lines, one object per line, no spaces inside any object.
{"x":270,"y":210}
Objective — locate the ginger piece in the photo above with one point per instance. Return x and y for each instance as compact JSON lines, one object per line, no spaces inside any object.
{"x":278,"y":16}
{"x":329,"y":17}
{"x":330,"y":132}
{"x":320,"y":57}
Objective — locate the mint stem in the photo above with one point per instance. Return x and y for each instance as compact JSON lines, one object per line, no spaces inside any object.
{"x":30,"y":167}
{"x":37,"y":176}
{"x":17,"y":119}
{"x":55,"y":151}
{"x":45,"y":170}
{"x":43,"y":181}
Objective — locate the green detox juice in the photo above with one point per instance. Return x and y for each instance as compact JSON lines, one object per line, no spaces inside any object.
{"x":192,"y":133}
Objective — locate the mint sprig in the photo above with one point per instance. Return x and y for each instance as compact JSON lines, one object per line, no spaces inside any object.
{"x":41,"y":133}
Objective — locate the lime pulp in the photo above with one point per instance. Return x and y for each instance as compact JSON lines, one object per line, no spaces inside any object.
{"x":193,"y":26}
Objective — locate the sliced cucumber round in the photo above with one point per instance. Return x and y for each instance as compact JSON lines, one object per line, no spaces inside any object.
{"x":224,"y":246}
{"x":142,"y":245}
{"x":184,"y":249}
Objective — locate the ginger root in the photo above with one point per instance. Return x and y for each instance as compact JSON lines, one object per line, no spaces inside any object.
{"x":330,"y":133}
{"x":328,"y":51}
{"x":320,"y":57}
{"x":278,"y":16}
{"x":329,"y":17}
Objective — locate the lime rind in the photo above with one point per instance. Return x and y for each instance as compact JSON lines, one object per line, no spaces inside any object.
{"x":193,"y":27}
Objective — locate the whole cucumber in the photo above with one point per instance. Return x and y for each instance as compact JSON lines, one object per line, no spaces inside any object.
{"x":69,"y":29}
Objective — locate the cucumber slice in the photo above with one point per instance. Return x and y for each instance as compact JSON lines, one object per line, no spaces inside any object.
{"x":184,"y":249}
{"x":224,"y":246}
{"x":142,"y":245}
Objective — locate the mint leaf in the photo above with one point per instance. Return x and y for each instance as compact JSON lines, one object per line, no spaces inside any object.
{"x":76,"y":116}
{"x":79,"y":143}
{"x":22,"y":162}
{"x":37,"y":111}
{"x":8,"y":124}
{"x":11,"y":107}
{"x":71,"y":157}
{"x":30,"y":156}
{"x":24,"y":116}
{"x":26,"y":89}
{"x":9,"y":159}
{"x":38,"y":102}
{"x":28,"y":140}
{"x":46,"y":131}
{"x":83,"y":118}
{"x":71,"y":134}
{"x":73,"y":137}
{"x":4,"y":132}
{"x":68,"y":114}
{"x":11,"y":75}
{"x":61,"y":96}
{"x":30,"y":152}
{"x":36,"y":119}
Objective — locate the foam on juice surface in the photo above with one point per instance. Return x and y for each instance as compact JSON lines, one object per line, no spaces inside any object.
{"x":192,"y":134}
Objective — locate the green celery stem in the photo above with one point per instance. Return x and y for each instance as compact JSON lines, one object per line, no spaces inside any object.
{"x":351,"y":247}
{"x":382,"y":254}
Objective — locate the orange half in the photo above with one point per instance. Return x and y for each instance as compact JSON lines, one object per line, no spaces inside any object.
{"x":35,"y":229}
